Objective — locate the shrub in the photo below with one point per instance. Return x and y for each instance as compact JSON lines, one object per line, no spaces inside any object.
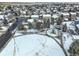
{"x":74,"y":48}
{"x":21,"y":27}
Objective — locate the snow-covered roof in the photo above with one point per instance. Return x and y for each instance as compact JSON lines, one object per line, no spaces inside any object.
{"x":77,"y":25}
{"x":42,"y":12}
{"x":3,"y":28}
{"x":66,"y":19}
{"x":40,"y":20}
{"x":25,"y":16}
{"x":75,"y":36}
{"x":55,"y":16}
{"x":54,"y":10}
{"x":34,"y":16}
{"x":0,"y":12}
{"x":23,"y":12}
{"x":30,"y":20}
{"x":68,"y":22}
{"x":32,"y":30}
{"x":65,"y":14}
{"x":33,"y":44}
{"x":73,"y":13}
{"x":46,"y":15}
{"x":1,"y":16}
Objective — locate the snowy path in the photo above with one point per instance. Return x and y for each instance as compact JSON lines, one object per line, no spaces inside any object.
{"x":67,"y":39}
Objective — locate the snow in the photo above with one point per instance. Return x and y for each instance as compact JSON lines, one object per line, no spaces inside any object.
{"x":75,"y":36}
{"x":55,"y":16}
{"x":10,"y":24}
{"x":1,"y":22}
{"x":1,"y":16}
{"x":32,"y":30}
{"x":69,"y":25}
{"x":0,"y":12}
{"x":77,"y":18}
{"x":66,"y":19}
{"x":22,"y":12}
{"x":65,"y":14}
{"x":30,"y":20}
{"x":26,"y":16}
{"x":77,"y":25}
{"x":67,"y":39}
{"x":17,"y":34}
{"x":34,"y":16}
{"x":47,"y":15}
{"x":51,"y":34}
{"x":32,"y":44}
{"x":40,"y":20}
{"x":4,"y":28}
{"x":73,"y":13}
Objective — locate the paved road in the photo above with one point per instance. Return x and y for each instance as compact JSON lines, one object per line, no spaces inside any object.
{"x":4,"y":39}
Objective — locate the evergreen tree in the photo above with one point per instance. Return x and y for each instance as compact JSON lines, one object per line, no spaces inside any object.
{"x":64,"y":29}
{"x":69,"y":18}
{"x":74,"y":48}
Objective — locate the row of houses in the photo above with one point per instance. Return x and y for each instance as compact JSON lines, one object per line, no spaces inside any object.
{"x":47,"y":14}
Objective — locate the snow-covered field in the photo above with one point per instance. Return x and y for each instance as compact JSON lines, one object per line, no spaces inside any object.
{"x":32,"y":44}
